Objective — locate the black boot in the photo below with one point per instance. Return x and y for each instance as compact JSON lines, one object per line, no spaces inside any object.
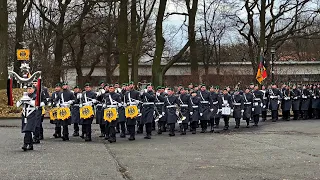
{"x":25,"y":147}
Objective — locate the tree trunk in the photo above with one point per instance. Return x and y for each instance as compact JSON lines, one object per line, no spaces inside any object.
{"x":157,"y":78}
{"x":134,"y":40}
{"x":3,"y":44}
{"x":192,"y":38}
{"x":122,"y":42}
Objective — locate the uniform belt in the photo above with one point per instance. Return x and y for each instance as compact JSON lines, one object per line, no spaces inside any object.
{"x":257,"y":99}
{"x":112,"y":106}
{"x":216,"y":102}
{"x":148,"y":103}
{"x":159,"y":103}
{"x":195,"y":106}
{"x":204,"y":102}
{"x":183,"y":105}
{"x":237,"y":104}
{"x":247,"y":103}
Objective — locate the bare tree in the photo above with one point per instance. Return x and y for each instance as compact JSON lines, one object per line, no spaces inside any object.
{"x":3,"y":43}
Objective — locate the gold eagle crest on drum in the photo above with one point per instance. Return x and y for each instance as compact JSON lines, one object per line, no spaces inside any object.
{"x":110,"y":114}
{"x":131,"y":112}
{"x":64,"y":113}
{"x":53,"y":114}
{"x":86,"y":112}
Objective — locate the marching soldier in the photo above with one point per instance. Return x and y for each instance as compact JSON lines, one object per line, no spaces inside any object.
{"x":264,"y":102}
{"x":88,"y":99}
{"x":99,"y":109}
{"x":112,"y":100}
{"x":238,"y":107}
{"x":132,"y":98}
{"x":286,"y":103}
{"x":257,"y":104}
{"x":148,"y":99}
{"x":316,"y":102}
{"x":205,"y":107}
{"x":55,"y":103}
{"x":44,"y":98}
{"x":75,"y":113}
{"x":227,"y":105}
{"x":66,"y":98}
{"x":216,"y":106}
{"x":160,"y":97}
{"x":171,"y":103}
{"x":295,"y":96}
{"x":248,"y":100}
{"x":184,"y":101}
{"x":305,"y":102}
{"x":194,"y":111}
{"x":274,"y":100}
{"x":29,"y":117}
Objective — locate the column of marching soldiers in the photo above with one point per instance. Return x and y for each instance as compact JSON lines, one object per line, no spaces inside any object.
{"x":163,"y":108}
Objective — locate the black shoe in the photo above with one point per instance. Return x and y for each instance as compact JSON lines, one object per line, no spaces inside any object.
{"x":112,"y":140}
{"x":75,"y":134}
{"x":122,"y":135}
{"x":102,"y":135}
{"x":148,"y":136}
{"x":25,"y":147}
{"x":88,"y":139}
{"x":225,"y":128}
{"x":30,"y":147}
{"x":36,"y":141}
{"x":131,"y":138}
{"x":65,"y":138}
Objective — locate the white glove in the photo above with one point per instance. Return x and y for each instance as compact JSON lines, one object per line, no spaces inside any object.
{"x":42,"y":104}
{"x":19,"y":103}
{"x":146,"y":90}
{"x":191,"y":113}
{"x":163,"y":113}
{"x":242,"y":111}
{"x":157,"y":93}
{"x":201,"y":114}
{"x":252,"y":109}
{"x":211,"y":110}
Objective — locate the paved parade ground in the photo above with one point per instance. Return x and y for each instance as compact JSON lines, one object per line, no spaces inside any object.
{"x":281,"y":150}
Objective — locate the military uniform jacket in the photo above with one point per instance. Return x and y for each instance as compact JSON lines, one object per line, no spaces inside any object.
{"x":257,"y":102}
{"x":171,"y":103}
{"x":216,"y":104}
{"x":296,"y":99}
{"x":237,"y":101}
{"x":87,"y":97}
{"x":194,"y":107}
{"x":248,"y":101}
{"x":184,"y":101}
{"x":75,"y":113}
{"x":286,"y":101}
{"x":315,"y":98}
{"x":131,"y":98}
{"x":205,"y":105}
{"x":305,"y":100}
{"x":148,"y":99}
{"x":29,"y":121}
{"x":227,"y":101}
{"x":274,"y":99}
